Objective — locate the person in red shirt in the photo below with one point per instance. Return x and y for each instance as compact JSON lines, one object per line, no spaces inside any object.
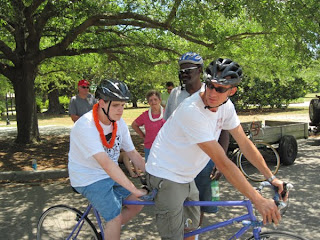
{"x":152,"y":120}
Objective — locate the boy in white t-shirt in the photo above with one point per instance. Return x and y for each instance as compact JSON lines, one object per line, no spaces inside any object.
{"x":186,"y":142}
{"x":95,"y":143}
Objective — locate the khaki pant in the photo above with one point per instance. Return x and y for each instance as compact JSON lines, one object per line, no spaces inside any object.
{"x":171,"y":216}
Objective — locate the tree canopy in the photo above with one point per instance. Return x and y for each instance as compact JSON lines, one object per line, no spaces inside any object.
{"x":271,"y":39}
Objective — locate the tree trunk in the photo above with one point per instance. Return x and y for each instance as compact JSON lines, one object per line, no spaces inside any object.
{"x":26,"y":109}
{"x":134,"y":104}
{"x":54,"y":104}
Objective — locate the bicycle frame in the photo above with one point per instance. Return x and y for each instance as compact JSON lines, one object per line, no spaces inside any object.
{"x":248,"y":220}
{"x":250,"y":217}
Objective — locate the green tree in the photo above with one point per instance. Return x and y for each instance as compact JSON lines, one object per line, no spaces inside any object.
{"x":143,"y":31}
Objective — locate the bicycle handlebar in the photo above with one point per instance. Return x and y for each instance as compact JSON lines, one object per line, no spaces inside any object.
{"x":286,"y":187}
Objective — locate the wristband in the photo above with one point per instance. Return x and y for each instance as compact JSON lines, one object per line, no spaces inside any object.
{"x":270,"y":179}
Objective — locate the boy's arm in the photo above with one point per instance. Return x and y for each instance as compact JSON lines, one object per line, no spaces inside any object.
{"x":115,"y":172}
{"x":137,"y":160}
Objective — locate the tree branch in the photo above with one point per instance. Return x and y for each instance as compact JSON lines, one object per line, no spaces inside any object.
{"x":246,"y":35}
{"x":8,"y":52}
{"x":6,"y":71}
{"x":173,"y":12}
{"x":35,"y":4}
{"x":146,"y":22}
{"x":126,"y":19}
{"x":8,"y":25}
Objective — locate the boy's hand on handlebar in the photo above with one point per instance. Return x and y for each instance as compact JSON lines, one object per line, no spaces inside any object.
{"x":140,"y":192}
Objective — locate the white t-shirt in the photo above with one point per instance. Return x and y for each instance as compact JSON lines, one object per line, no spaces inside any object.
{"x":176,"y":97}
{"x":85,"y":142}
{"x":175,"y":154}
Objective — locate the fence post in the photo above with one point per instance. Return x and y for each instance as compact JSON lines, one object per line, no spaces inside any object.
{"x":8,"y":120}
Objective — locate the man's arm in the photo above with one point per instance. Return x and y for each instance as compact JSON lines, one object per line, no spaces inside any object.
{"x":74,"y":117}
{"x":253,"y":155}
{"x":266,"y":207}
{"x":115,"y":172}
{"x":137,"y":160}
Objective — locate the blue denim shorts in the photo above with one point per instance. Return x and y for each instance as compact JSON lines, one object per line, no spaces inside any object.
{"x":203,"y":183}
{"x":106,"y":197}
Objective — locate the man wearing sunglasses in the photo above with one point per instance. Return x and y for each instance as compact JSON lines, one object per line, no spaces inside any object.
{"x":82,"y":102}
{"x":189,"y":139}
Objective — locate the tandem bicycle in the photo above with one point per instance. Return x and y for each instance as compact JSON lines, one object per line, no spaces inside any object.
{"x":65,"y":222}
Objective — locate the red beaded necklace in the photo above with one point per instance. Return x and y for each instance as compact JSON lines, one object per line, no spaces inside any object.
{"x":100,"y":130}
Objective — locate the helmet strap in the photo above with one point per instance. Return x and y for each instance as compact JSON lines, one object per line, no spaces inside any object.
{"x":107,"y":113}
{"x":207,"y":106}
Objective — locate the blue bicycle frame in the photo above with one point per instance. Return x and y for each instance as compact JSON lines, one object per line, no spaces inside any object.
{"x":248,"y":220}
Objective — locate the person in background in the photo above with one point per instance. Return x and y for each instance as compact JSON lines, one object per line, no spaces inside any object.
{"x":165,"y":95}
{"x":123,"y":158}
{"x":95,"y":143}
{"x":191,"y":68}
{"x":152,"y":120}
{"x":82,"y":102}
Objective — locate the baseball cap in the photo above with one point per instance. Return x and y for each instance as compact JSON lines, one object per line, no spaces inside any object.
{"x":83,"y":82}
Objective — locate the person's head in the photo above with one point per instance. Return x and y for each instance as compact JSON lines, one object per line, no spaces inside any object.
{"x":153,"y":98}
{"x":112,"y":95}
{"x":83,"y":87}
{"x":169,"y":86}
{"x":191,"y":65}
{"x":221,"y":78}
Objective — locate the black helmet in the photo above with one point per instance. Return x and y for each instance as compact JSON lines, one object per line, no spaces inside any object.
{"x":227,"y":68}
{"x":112,"y":90}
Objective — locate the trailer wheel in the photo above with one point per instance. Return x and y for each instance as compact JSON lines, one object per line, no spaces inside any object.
{"x":314,"y":111}
{"x":288,"y":149}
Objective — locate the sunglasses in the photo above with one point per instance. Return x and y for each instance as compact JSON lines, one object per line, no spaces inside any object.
{"x":84,"y":87}
{"x":187,"y":70}
{"x":218,"y":89}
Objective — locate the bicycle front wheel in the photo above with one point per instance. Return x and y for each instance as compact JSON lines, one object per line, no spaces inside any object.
{"x":59,"y":221}
{"x":277,"y":235}
{"x":270,"y":156}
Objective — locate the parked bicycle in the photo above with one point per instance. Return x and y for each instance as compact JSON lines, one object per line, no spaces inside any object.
{"x":268,"y":152}
{"x":64,"y":222}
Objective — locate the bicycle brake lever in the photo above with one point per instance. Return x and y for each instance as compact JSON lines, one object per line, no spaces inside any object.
{"x":286,"y":188}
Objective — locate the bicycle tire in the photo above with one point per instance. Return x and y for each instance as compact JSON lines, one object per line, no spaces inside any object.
{"x":58,"y":222}
{"x":278,"y":235}
{"x":271,"y":157}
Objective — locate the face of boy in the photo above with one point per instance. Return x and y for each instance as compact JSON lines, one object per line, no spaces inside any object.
{"x":115,"y":110}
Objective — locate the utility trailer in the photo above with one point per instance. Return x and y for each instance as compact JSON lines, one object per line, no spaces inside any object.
{"x":283,"y":134}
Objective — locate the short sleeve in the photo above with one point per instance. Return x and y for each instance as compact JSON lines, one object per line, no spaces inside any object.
{"x":141,"y":119}
{"x":72,"y":106}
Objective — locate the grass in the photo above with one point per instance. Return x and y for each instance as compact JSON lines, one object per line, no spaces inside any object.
{"x":129,"y":115}
{"x":306,"y":98}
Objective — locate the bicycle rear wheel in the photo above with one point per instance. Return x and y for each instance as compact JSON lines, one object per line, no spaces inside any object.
{"x":278,"y":235}
{"x":59,"y":221}
{"x":271,"y":157}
